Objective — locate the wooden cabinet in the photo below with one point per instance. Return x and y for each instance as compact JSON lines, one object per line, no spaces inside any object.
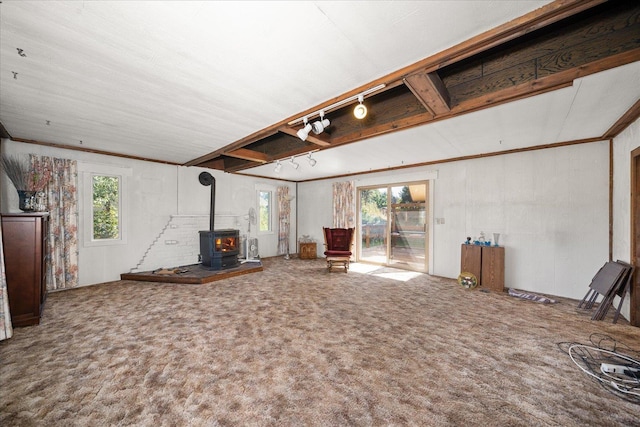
{"x":486,"y":263}
{"x":471,"y":260}
{"x":492,"y":268}
{"x":308,"y":251}
{"x":24,"y":243}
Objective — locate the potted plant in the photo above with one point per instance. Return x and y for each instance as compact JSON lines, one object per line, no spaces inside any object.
{"x":27,"y":181}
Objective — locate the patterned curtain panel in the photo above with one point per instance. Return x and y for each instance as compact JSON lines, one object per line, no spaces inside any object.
{"x":344,"y":211}
{"x":61,"y":201}
{"x":284,"y":213}
{"x":6,"y":329}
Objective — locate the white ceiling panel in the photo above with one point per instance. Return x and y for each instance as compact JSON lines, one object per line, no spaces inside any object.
{"x":175,"y":80}
{"x":601,"y":99}
{"x":138,"y":74}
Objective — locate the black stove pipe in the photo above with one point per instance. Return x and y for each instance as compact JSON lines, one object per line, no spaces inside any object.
{"x":206,"y":179}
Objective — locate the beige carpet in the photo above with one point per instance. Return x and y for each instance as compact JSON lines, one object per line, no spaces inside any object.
{"x":295,"y":345}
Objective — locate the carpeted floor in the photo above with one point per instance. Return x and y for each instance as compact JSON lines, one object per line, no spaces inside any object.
{"x":296,"y":345}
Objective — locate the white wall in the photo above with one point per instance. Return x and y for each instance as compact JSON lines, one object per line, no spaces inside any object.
{"x":156,"y":191}
{"x":623,"y":145}
{"x":550,"y":206}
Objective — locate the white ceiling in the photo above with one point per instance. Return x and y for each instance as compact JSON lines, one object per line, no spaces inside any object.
{"x":173,"y":81}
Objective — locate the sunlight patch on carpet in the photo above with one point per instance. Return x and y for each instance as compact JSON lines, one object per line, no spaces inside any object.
{"x":384,"y":272}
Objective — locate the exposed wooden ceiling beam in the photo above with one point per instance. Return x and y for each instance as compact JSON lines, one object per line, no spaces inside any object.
{"x":217,"y":164}
{"x":381,"y":129}
{"x":240,"y":167}
{"x":254,"y":156}
{"x":311,"y":138}
{"x":256,"y":136}
{"x":542,"y":17}
{"x":480,"y":73}
{"x":431,"y":91}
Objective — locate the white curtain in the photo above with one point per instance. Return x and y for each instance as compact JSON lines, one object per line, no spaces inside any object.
{"x":344,"y":211}
{"x":6,"y":328}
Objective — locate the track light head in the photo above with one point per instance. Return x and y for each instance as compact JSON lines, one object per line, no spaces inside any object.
{"x":317,"y":127}
{"x":294,"y":163}
{"x":304,"y":132}
{"x":278,"y":167}
{"x":360,"y":112}
{"x":312,"y":162}
{"x":320,"y":125}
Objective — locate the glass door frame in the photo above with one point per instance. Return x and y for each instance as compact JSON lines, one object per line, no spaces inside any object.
{"x":428,"y":206}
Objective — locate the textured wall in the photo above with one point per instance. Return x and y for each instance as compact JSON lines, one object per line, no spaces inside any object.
{"x":623,"y":145}
{"x":178,"y":243}
{"x":158,"y":192}
{"x":550,"y":206}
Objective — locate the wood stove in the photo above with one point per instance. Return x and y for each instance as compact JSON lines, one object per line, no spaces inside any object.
{"x":219,"y":249}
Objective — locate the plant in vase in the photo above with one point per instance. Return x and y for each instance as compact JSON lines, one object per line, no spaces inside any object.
{"x":28,"y":181}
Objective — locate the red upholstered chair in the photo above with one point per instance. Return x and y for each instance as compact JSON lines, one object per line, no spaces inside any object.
{"x":338,"y":242}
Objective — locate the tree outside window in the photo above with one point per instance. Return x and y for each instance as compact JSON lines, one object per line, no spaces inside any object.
{"x":106,"y":207}
{"x":264,"y":198}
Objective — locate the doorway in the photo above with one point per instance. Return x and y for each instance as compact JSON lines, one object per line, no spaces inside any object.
{"x":393,"y":225}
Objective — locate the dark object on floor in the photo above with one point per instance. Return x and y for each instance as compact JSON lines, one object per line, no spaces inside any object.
{"x":531,"y":297}
{"x":613,"y":278}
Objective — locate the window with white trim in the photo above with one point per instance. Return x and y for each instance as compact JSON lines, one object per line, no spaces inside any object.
{"x":105,"y":216}
{"x":104,"y":204}
{"x":266,"y":202}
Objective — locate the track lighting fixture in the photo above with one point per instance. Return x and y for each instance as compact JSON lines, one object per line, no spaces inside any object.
{"x":312,"y":162}
{"x":338,"y":104}
{"x":294,"y":163}
{"x":360,"y":112}
{"x":320,"y":125}
{"x":304,"y":132}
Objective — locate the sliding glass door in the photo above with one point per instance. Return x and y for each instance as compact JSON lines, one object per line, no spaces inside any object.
{"x":393,"y":225}
{"x":373,"y":228}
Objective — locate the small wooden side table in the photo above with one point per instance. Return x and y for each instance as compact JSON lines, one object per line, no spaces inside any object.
{"x":307,"y":251}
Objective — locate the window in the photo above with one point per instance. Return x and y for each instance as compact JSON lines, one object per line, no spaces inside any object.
{"x":265,"y":202}
{"x":104,"y":213}
{"x":267,"y":208}
{"x":106,"y":207}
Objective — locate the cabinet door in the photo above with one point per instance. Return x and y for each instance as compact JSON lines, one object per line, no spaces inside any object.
{"x":23,"y":243}
{"x":493,"y":268}
{"x":22,"y":237}
{"x":470,"y":260}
